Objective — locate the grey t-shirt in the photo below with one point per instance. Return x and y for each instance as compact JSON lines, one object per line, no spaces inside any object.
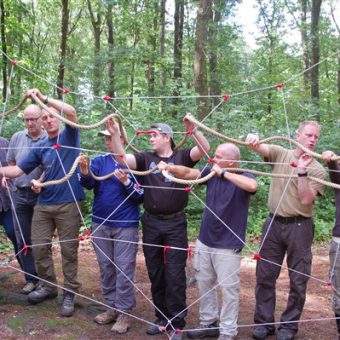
{"x":19,"y":146}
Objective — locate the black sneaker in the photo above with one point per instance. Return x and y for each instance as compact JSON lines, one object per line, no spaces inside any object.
{"x":42,"y":293}
{"x":157,"y":327}
{"x":204,"y":331}
{"x":285,"y":334}
{"x":67,"y":306}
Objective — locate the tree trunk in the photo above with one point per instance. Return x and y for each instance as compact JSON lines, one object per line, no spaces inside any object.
{"x":110,"y":43}
{"x":215,"y":17}
{"x":162,"y":44}
{"x":4,"y":50}
{"x":304,"y":43}
{"x":96,"y":26}
{"x":178,"y":45}
{"x":200,"y":62}
{"x":315,"y":15}
{"x":63,"y":46}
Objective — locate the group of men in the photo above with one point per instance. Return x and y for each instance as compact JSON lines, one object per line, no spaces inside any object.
{"x":43,"y":151}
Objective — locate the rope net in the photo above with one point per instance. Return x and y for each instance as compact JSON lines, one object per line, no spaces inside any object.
{"x":252,"y":252}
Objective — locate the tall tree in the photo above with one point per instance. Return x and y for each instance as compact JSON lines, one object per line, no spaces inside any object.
{"x":110,"y":43}
{"x":96,"y":21}
{"x":63,"y":44}
{"x":178,"y":44}
{"x":215,"y":17}
{"x":200,"y":61}
{"x":315,"y":42}
{"x":162,"y":43}
{"x":4,"y":50}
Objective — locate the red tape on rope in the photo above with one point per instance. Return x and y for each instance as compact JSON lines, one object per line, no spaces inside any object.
{"x":165,"y":249}
{"x":257,"y":257}
{"x":25,"y":248}
{"x":107,"y":98}
{"x":226,"y":97}
{"x":189,"y":253}
{"x":278,"y":86}
{"x":13,"y":62}
{"x":56,"y":146}
{"x":145,"y":132}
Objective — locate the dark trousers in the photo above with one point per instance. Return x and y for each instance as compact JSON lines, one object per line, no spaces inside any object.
{"x":166,"y":269}
{"x":24,"y":201}
{"x":295,"y":239}
{"x":7,"y":221}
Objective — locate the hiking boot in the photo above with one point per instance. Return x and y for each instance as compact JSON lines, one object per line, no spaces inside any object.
{"x":28,"y":288}
{"x":107,"y":317}
{"x":41,"y":294}
{"x":122,"y":324}
{"x":260,"y":333}
{"x":67,"y":305}
{"x":285,"y":334}
{"x":204,"y":331}
{"x":157,"y":327}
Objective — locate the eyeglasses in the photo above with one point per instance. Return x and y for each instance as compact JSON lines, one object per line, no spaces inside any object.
{"x":33,"y":120}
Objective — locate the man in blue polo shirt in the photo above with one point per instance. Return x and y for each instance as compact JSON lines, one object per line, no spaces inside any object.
{"x":57,"y":208}
{"x":220,"y":241}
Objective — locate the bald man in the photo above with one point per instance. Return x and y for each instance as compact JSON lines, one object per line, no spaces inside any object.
{"x":220,"y":241}
{"x":24,"y":199}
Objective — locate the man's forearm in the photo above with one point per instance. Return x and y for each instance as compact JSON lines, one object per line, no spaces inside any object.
{"x":11,"y":171}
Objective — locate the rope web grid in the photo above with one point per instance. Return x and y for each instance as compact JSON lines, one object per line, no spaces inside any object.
{"x":252,"y":255}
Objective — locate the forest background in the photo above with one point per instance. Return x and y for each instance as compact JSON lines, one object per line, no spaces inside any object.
{"x":184,"y":56}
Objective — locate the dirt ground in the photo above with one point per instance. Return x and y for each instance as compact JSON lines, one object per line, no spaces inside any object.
{"x":19,"y":320}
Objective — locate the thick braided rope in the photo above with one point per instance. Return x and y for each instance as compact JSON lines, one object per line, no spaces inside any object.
{"x":73,"y":169}
{"x":174,"y":179}
{"x":192,"y":119}
{"x":15,"y":108}
{"x":188,"y":182}
{"x":73,"y":124}
{"x":255,"y":172}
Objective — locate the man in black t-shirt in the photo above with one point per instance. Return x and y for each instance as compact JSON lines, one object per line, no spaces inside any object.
{"x":164,"y":221}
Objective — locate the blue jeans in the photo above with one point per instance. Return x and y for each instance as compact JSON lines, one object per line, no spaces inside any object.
{"x":7,"y":221}
{"x":24,"y":201}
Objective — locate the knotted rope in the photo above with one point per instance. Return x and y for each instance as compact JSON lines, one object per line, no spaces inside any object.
{"x":193,"y":120}
{"x":38,"y":184}
{"x":255,"y":172}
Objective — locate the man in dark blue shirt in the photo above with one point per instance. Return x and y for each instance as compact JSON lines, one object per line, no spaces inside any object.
{"x":220,"y":241}
{"x":57,"y":207}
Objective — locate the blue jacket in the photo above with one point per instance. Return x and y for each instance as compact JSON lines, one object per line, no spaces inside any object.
{"x":114,"y":204}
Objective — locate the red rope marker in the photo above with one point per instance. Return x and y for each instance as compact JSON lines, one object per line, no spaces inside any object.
{"x":56,"y":146}
{"x":187,"y":189}
{"x":257,"y":256}
{"x":65,"y":90}
{"x":138,"y":185}
{"x":278,"y":86}
{"x":25,"y":248}
{"x":226,"y":97}
{"x":107,"y":98}
{"x":88,"y":233}
{"x":211,"y":160}
{"x":177,"y":331}
{"x":145,"y":132}
{"x":165,"y":249}
{"x":293,"y":164}
{"x":189,"y":253}
{"x":189,"y":132}
{"x":120,"y":155}
{"x":13,"y":62}
{"x":329,"y":283}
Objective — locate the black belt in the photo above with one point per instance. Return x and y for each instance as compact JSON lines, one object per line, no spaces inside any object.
{"x":288,"y":220}
{"x":24,"y":188}
{"x":167,"y":217}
